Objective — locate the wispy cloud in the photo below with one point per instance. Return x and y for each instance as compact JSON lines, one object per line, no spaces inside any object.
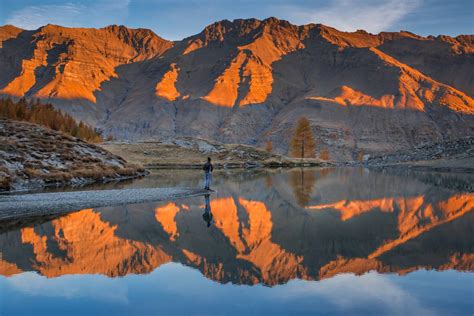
{"x":347,"y":15}
{"x":349,"y":292}
{"x":80,"y":13}
{"x":96,"y":287}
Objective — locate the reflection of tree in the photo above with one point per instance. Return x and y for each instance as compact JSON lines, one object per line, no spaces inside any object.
{"x":269,"y":181}
{"x":303,"y":182}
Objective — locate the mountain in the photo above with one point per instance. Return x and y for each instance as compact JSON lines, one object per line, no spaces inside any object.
{"x":68,"y":65}
{"x":248,"y":81}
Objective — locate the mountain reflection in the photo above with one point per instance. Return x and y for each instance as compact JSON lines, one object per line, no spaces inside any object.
{"x":351,"y":222}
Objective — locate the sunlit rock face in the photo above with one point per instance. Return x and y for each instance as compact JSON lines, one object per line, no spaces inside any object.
{"x":262,"y":233}
{"x":70,"y":64}
{"x":248,"y":81}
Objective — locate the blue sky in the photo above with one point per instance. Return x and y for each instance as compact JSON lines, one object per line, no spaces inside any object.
{"x":176,"y":19}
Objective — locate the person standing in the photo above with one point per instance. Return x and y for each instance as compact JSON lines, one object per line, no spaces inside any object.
{"x":208,"y":168}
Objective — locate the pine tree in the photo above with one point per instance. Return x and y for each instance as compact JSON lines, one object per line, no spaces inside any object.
{"x":302,"y":144}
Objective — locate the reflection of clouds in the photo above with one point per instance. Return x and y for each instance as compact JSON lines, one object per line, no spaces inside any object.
{"x":71,"y":287}
{"x":372,"y":292}
{"x":191,"y":281}
{"x":178,"y":289}
{"x":350,"y":293}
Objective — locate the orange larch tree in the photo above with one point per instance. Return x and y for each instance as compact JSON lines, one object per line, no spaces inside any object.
{"x":302,"y":144}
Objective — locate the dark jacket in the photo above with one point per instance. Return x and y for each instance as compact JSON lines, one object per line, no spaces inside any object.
{"x":208,"y":168}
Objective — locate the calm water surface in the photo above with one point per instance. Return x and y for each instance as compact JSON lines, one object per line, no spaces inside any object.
{"x":331,"y":241}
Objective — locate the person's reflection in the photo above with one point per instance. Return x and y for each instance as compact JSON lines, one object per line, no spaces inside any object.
{"x":207,"y":216}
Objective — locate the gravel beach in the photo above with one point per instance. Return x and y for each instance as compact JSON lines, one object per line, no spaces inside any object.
{"x":26,"y":205}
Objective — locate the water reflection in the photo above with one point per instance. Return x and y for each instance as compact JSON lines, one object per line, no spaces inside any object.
{"x":347,"y":221}
{"x":207,"y":216}
{"x":302,"y":182}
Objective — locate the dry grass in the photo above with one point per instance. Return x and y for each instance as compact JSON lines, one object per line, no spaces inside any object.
{"x":5,"y":178}
{"x":30,"y":153}
{"x":151,"y":154}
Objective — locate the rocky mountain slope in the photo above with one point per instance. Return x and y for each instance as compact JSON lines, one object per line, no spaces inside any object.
{"x":248,"y":81}
{"x":70,"y":64}
{"x":452,"y":155}
{"x":32,"y":156}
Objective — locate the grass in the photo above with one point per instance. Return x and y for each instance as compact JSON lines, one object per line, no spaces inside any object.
{"x":29,"y":153}
{"x":153,"y":154}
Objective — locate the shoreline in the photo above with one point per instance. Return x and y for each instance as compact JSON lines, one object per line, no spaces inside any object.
{"x":36,"y":185}
{"x":84,"y":183}
{"x":20,"y":206}
{"x":243,"y":165}
{"x":421,"y":168}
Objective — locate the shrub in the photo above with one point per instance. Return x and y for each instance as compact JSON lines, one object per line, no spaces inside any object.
{"x":324,"y":154}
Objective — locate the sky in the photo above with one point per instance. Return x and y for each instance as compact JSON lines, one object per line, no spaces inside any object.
{"x":177,"y":19}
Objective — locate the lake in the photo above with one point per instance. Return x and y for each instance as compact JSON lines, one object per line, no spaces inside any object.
{"x":300,"y":241}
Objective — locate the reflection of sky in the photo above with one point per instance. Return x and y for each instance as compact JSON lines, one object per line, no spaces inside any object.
{"x":176,"y":289}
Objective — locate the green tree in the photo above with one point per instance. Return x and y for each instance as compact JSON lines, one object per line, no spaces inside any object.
{"x":302,"y":144}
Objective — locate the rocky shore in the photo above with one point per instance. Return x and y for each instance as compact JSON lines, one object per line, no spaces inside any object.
{"x":448,"y":156}
{"x":16,"y":206}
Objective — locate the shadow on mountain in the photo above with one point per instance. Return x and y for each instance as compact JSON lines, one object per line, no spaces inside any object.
{"x":12,"y":54}
{"x":44,"y":74}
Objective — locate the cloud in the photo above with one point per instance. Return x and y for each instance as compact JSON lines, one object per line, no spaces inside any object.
{"x":347,"y":15}
{"x":95,"y":287}
{"x":349,"y":292}
{"x":35,"y":16}
{"x":81,"y":13}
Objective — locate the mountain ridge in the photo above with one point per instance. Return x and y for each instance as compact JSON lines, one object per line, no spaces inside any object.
{"x":249,"y":80}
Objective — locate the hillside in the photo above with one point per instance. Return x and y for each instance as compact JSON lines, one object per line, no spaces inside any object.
{"x":188,"y":152}
{"x":248,"y":81}
{"x":70,"y":64}
{"x":32,"y":157}
{"x":47,"y":116}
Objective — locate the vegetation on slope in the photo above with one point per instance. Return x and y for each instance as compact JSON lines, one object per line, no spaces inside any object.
{"x":46,"y":115}
{"x":33,"y":157}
